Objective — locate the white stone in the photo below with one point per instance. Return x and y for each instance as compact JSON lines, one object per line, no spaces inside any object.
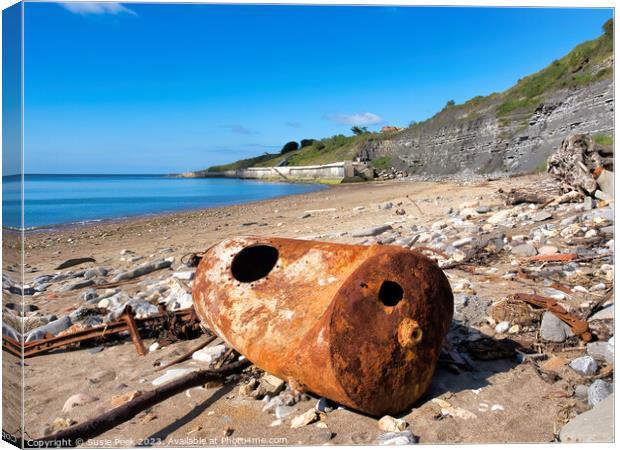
{"x":389,"y":423}
{"x":209,"y":354}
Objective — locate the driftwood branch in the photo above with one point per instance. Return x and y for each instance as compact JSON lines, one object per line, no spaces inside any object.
{"x":80,"y":433}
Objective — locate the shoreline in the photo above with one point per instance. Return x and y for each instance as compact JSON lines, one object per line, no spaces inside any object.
{"x":145,"y":216}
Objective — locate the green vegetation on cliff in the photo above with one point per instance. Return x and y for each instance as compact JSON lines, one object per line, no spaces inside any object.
{"x":586,"y":63}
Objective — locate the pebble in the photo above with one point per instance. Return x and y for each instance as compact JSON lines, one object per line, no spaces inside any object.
{"x":54,"y":327}
{"x":548,"y":250}
{"x":584,"y":365}
{"x":283,"y":411}
{"x":553,"y":329}
{"x":209,"y":354}
{"x":304,"y":419}
{"x":597,"y":350}
{"x":463,"y":241}
{"x":171,"y":374}
{"x":154,"y":346}
{"x":389,"y":423}
{"x":142,"y":270}
{"x":609,"y":355}
{"x":541,"y":216}
{"x":397,"y":438}
{"x":606,"y":313}
{"x":524,"y":250}
{"x":581,"y":391}
{"x":79,"y":399}
{"x":598,"y":391}
{"x":502,"y":327}
{"x":187,"y":276}
{"x":374,"y":231}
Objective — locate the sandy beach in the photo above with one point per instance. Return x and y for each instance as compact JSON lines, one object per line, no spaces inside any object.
{"x":504,"y":400}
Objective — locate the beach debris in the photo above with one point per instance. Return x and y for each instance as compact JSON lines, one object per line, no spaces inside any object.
{"x":579,"y":161}
{"x":266,"y":270}
{"x":121,"y":399}
{"x":178,"y":325}
{"x":74,"y":262}
{"x":187,"y":355}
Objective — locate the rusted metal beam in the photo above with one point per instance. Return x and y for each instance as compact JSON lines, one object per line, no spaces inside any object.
{"x":360,"y":325}
{"x":133,"y":331}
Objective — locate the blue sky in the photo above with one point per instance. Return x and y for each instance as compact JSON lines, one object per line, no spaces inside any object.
{"x":135,"y":88}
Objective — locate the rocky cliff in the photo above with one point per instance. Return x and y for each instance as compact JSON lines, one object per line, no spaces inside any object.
{"x":478,"y":140}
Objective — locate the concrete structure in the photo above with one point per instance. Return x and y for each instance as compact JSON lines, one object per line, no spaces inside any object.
{"x":340,"y":171}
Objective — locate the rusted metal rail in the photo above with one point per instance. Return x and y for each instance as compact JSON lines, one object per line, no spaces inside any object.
{"x":360,"y":325}
{"x":578,"y":326}
{"x":125,"y":324}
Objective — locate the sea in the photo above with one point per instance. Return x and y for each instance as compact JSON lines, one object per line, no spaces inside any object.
{"x":55,"y":200}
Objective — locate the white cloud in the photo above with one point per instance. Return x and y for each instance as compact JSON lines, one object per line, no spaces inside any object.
{"x":84,"y":8}
{"x":363,"y":119}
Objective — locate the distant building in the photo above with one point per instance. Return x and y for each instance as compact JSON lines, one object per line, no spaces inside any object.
{"x":389,"y":128}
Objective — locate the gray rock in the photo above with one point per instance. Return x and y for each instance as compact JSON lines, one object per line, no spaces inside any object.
{"x":606,"y":313}
{"x":374,"y":231}
{"x":585,"y":365}
{"x":596,"y":425}
{"x":603,"y":196}
{"x":553,"y":329}
{"x":78,"y":285}
{"x":588,"y":204}
{"x":605,"y":213}
{"x":463,"y":241}
{"x":597,"y":350}
{"x":524,"y":250}
{"x":187,"y":276}
{"x":581,"y":391}
{"x":397,"y":438}
{"x":609,"y":355}
{"x":569,"y":221}
{"x":89,"y":295}
{"x":470,"y":309}
{"x":541,"y":216}
{"x":142,"y":270}
{"x":386,"y":205}
{"x":53,"y":327}
{"x":8,"y":330}
{"x":95,"y":272}
{"x":598,"y":391}
{"x":606,"y":182}
{"x":483,"y":209}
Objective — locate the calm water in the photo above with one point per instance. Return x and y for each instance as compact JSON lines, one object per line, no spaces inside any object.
{"x":65,"y":199}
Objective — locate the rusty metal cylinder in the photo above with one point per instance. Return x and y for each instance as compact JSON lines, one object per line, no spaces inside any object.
{"x":360,"y":325}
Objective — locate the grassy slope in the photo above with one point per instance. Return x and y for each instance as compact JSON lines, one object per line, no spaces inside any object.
{"x":579,"y":67}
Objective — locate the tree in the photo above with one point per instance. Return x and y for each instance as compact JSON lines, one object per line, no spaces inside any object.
{"x":289,"y":147}
{"x":450,"y":103}
{"x":306,"y":143}
{"x":608,"y":28}
{"x":359,"y":130}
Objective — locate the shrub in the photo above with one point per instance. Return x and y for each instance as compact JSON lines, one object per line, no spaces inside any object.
{"x":289,"y":147}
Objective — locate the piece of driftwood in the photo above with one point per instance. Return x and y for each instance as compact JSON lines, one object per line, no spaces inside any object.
{"x":74,"y":262}
{"x":577,"y":163}
{"x":80,"y":433}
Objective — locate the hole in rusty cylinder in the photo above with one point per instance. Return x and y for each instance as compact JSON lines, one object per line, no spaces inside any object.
{"x":253,"y":263}
{"x":390,"y":293}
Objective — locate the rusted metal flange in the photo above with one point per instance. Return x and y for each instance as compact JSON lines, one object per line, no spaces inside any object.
{"x":360,"y":325}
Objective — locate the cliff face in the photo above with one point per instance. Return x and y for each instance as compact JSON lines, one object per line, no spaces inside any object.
{"x":479,"y":140}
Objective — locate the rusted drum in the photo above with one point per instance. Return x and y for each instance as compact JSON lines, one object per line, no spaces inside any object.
{"x":360,"y":325}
